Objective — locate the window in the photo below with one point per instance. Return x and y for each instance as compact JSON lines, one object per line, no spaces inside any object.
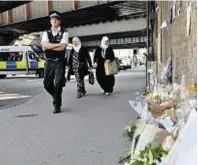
{"x":11,"y":56}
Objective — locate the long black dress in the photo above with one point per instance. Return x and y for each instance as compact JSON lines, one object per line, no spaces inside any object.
{"x":78,"y":64}
{"x":106,"y":82}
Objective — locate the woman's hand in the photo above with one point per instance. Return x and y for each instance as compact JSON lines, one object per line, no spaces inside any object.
{"x":95,"y":64}
{"x":112,"y":59}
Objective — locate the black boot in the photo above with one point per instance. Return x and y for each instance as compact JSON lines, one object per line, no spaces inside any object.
{"x":57,"y":110}
{"x":84,"y":92}
{"x":79,"y":95}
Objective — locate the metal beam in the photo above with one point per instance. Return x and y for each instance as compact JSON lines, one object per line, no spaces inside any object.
{"x":8,"y":17}
{"x":7,"y":5}
{"x":87,"y":15}
{"x":131,"y":42}
{"x":48,"y":7}
{"x":74,"y":4}
{"x":101,"y":28}
{"x":1,"y":20}
{"x":27,"y":11}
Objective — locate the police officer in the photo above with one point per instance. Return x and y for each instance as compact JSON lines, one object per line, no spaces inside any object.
{"x":54,"y":42}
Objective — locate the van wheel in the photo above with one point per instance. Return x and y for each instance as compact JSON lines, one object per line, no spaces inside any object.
{"x":40,"y":73}
{"x":2,"y":75}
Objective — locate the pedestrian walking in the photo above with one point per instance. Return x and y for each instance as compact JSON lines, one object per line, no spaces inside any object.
{"x":54,"y":42}
{"x":78,"y":63}
{"x":135,"y":61}
{"x":104,"y":52}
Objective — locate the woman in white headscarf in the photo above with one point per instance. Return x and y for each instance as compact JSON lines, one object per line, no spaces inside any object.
{"x":78,"y":64}
{"x":102,"y":53}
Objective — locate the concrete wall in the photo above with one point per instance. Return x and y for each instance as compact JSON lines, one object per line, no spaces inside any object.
{"x":174,"y":41}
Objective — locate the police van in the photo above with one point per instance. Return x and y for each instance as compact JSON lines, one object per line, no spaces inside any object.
{"x":20,"y":60}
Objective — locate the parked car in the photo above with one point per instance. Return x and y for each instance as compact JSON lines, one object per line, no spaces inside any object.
{"x":125,"y":63}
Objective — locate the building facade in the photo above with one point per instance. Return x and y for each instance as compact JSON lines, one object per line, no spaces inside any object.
{"x":176,"y":37}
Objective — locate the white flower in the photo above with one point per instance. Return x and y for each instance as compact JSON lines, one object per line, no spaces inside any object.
{"x":128,"y":129}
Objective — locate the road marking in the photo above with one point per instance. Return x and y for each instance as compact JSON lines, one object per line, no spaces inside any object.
{"x":10,"y":96}
{"x":37,"y":80}
{"x":21,"y":76}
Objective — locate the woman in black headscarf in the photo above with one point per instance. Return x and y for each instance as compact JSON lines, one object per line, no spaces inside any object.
{"x":78,"y":63}
{"x":102,"y":53}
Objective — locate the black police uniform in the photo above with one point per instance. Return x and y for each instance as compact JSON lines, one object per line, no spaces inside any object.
{"x":54,"y":79}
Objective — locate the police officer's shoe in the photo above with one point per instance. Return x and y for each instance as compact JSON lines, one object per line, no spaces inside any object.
{"x":57,"y":110}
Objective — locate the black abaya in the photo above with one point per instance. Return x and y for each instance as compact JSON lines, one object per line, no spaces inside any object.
{"x":106,"y":82}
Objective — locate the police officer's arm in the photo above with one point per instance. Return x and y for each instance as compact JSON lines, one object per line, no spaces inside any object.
{"x":61,"y":47}
{"x":46,"y":44}
{"x":50,"y":46}
{"x":63,"y":43}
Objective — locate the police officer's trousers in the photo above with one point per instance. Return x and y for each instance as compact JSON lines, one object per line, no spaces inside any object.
{"x":54,"y":80}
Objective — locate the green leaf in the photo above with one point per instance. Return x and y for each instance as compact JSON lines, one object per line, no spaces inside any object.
{"x":150,"y":157}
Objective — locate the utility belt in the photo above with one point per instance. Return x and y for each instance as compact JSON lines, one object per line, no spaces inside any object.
{"x":54,"y":59}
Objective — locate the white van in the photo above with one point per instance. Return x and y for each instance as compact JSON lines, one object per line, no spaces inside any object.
{"x":20,"y":60}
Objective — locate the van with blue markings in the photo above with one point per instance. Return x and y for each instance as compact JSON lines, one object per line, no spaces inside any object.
{"x":20,"y":60}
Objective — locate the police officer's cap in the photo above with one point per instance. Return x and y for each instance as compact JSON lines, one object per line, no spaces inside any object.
{"x":55,"y":14}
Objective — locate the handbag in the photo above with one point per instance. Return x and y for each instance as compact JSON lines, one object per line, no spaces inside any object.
{"x":111,"y":67}
{"x":91,"y":78}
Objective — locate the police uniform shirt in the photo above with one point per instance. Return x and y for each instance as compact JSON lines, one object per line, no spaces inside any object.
{"x":55,"y":31}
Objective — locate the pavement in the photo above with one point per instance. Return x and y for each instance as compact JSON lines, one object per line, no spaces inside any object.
{"x":87,"y":132}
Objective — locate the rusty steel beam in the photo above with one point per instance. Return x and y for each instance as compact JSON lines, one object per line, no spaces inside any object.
{"x":1,"y":20}
{"x":74,"y":4}
{"x":48,"y":7}
{"x":7,"y":5}
{"x":8,"y":17}
{"x":27,"y":11}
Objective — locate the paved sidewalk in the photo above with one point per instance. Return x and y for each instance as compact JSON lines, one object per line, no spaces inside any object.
{"x":88,"y":132}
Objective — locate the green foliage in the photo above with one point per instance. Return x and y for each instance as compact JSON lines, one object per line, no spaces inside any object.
{"x":126,"y":157}
{"x":150,"y":155}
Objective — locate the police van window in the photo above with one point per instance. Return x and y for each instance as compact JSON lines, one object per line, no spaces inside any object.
{"x":11,"y":56}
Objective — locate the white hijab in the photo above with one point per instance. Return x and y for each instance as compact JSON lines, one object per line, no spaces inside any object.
{"x":103,"y":42}
{"x":104,"y":45}
{"x":77,"y":48}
